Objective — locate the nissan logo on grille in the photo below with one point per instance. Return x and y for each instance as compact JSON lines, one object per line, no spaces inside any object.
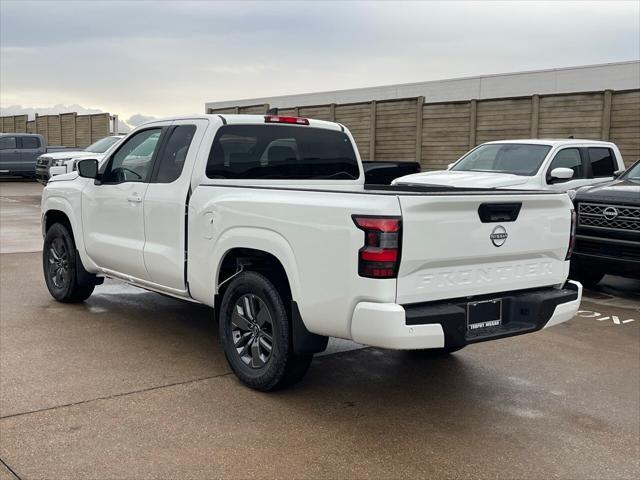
{"x":498,"y":236}
{"x":610,"y":213}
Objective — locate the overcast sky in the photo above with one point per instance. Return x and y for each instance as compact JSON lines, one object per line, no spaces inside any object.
{"x":157,"y":58}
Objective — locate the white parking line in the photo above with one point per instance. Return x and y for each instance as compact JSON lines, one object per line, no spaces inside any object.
{"x":596,"y":315}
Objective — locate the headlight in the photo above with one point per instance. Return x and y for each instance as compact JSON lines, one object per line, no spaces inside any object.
{"x":60,"y":162}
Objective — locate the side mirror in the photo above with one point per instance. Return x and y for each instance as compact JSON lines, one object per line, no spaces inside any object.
{"x":88,"y":168}
{"x":617,"y":173}
{"x":450,"y":165}
{"x":561,"y":174}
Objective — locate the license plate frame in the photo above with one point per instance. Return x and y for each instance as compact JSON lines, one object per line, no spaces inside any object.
{"x":484,"y":314}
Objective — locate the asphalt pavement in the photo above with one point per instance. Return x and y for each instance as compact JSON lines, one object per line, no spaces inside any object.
{"x":131,"y":384}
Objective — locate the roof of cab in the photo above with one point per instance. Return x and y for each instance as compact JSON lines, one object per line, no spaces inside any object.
{"x":552,"y":141}
{"x":239,"y":119}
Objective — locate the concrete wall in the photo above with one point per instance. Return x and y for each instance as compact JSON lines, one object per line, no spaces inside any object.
{"x":589,"y":78}
{"x":66,"y":129}
{"x":439,"y":133}
{"x":437,"y":121}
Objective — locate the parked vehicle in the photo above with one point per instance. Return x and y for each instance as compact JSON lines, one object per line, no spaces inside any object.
{"x":58,"y":163}
{"x":383,"y":173}
{"x":267,"y":220}
{"x":558,"y":165}
{"x":608,"y":235}
{"x":18,"y":153}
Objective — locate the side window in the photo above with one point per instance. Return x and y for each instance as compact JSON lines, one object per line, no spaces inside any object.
{"x":8,"y":143}
{"x":30,"y":143}
{"x":602,"y":164}
{"x":174,"y":154}
{"x":133,"y":160}
{"x":567,"y":158}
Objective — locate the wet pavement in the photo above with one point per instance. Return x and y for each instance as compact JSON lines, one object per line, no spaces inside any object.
{"x":131,"y":384}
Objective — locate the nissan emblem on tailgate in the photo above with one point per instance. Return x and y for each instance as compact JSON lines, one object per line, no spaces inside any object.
{"x":498,"y":236}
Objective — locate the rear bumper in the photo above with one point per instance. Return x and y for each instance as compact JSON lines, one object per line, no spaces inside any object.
{"x":440,"y":324}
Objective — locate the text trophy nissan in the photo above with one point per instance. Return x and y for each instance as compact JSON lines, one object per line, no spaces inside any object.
{"x":267,"y":220}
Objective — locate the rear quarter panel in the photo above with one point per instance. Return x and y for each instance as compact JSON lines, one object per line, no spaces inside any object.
{"x":310,"y":232}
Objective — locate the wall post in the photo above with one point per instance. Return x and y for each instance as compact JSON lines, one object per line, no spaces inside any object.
{"x":606,"y":115}
{"x":372,"y":132}
{"x":535,"y":115}
{"x":472,"y":123}
{"x":419,"y":108}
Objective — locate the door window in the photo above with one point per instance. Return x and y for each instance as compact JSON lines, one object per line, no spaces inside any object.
{"x":172,"y":157}
{"x":30,"y":143}
{"x":7,"y":143}
{"x":133,"y":160}
{"x":602,"y":164}
{"x":567,"y":158}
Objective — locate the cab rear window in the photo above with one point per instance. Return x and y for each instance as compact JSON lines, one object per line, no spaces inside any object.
{"x":281,"y":152}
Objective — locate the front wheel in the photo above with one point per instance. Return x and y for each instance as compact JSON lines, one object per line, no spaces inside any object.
{"x":59,"y":265}
{"x":256,"y":334}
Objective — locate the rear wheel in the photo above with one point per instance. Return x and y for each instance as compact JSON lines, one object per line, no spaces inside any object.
{"x":59,"y":265}
{"x":255,"y":331}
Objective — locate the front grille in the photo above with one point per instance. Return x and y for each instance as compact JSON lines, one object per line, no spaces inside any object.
{"x":43,"y":162}
{"x":602,"y":249}
{"x":613,"y":217}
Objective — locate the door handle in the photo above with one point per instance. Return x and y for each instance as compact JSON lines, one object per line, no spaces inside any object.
{"x":135,"y":198}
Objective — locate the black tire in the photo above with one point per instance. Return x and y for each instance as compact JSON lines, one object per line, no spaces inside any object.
{"x":589,"y":277}
{"x":436,"y":352}
{"x":59,"y":266}
{"x":251,"y":296}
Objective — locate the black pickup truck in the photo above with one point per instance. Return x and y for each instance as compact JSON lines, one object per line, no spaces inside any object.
{"x":608,"y":230}
{"x":383,"y":173}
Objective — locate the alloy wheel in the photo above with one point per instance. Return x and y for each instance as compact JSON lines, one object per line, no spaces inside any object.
{"x":58,"y":263}
{"x":252,"y":330}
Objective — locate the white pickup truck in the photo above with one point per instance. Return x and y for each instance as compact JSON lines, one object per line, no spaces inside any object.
{"x":267,"y":220}
{"x":559,"y":165}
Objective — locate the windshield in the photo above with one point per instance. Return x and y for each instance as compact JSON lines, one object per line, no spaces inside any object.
{"x":101,"y":145}
{"x":514,"y":158}
{"x":633,"y":174}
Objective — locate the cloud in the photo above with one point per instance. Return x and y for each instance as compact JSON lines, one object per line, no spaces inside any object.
{"x":169,"y":58}
{"x":138,"y":119}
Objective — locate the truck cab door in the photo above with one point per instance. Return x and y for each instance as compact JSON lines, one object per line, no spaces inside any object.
{"x":166,"y":203}
{"x":569,"y":157}
{"x":113,"y":206}
{"x":9,"y":155}
{"x":29,"y":151}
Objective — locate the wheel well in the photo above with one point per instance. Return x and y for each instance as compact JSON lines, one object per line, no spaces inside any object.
{"x":302,"y":340}
{"x":256,"y":261}
{"x":56,"y":216}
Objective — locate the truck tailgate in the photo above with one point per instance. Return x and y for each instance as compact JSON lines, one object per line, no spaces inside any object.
{"x":449,"y":252}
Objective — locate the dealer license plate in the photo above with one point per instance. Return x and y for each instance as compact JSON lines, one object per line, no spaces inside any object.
{"x":484,"y":314}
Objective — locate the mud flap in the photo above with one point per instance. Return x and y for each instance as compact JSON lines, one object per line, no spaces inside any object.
{"x":305,"y":342}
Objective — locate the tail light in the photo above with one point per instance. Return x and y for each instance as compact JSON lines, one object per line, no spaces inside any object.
{"x":291,"y":120}
{"x":572,"y":235}
{"x":380,"y":255}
